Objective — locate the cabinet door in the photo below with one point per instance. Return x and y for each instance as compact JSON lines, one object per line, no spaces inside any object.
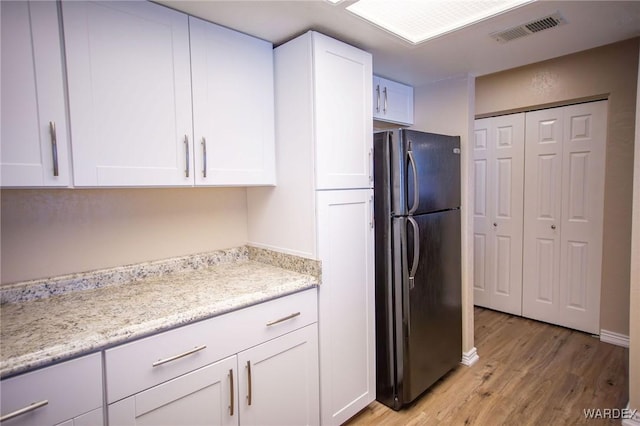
{"x":346,"y":303}
{"x":34,"y":126}
{"x":498,"y":209}
{"x":279,"y":380}
{"x":203,"y":397}
{"x":392,"y":102}
{"x":233,"y":106}
{"x":129,"y":93}
{"x":343,"y":122}
{"x":564,"y":202}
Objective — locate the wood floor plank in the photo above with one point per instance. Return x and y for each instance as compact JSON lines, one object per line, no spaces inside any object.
{"x":529,"y":373}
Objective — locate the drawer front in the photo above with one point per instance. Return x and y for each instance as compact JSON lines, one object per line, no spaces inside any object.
{"x":139,"y":365}
{"x":70,"y":390}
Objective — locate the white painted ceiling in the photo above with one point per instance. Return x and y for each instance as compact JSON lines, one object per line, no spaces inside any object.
{"x":467,"y":51}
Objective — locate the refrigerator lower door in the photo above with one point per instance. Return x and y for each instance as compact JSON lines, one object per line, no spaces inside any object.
{"x":431,"y":303}
{"x":389,"y":265}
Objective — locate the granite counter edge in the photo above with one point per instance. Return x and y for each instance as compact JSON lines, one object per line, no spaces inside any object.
{"x":96,"y":343}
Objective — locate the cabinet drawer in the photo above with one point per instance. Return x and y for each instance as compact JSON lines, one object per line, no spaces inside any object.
{"x":70,"y":389}
{"x":139,"y":365}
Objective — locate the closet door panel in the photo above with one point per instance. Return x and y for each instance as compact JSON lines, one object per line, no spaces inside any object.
{"x":582,"y":215}
{"x":564,"y":187}
{"x":542,"y":209}
{"x":498,"y":162}
{"x":483,"y":273}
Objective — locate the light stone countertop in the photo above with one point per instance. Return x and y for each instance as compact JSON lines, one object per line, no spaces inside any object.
{"x":40,"y":329}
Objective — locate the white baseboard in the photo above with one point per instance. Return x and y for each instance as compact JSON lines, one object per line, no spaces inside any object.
{"x":634,"y":421}
{"x":614,"y":338}
{"x":470,"y":357}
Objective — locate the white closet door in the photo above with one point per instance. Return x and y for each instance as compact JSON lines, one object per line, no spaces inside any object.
{"x":541,"y":270}
{"x":582,"y":215}
{"x":563,"y":215}
{"x":498,"y":171}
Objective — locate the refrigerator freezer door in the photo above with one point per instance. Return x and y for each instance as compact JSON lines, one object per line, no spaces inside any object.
{"x":432,"y":308}
{"x":425,"y":172}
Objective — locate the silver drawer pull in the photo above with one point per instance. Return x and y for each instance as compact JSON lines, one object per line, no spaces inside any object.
{"x":287,"y":318}
{"x":182,"y":355}
{"x":231,"y":393}
{"x":24,"y":410}
{"x":54,"y":147}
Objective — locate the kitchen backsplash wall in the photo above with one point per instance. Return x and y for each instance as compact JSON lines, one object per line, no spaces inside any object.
{"x":52,"y":232}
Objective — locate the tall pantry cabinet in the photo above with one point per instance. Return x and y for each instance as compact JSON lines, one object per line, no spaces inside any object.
{"x":322,"y":206}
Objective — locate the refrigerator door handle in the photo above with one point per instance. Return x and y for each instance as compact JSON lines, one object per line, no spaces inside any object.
{"x":416,"y":252}
{"x":416,"y":189}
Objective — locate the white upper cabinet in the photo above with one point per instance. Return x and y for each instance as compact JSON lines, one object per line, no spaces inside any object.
{"x":129,"y":84}
{"x":233,"y":111}
{"x":343,"y":127}
{"x":392,"y":101}
{"x":34,"y":145}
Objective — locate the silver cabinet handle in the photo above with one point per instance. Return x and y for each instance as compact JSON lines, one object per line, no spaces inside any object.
{"x":186,"y":147}
{"x":378,"y":98}
{"x":384,"y":109}
{"x":416,"y":188}
{"x":231,"y":393}
{"x":204,"y":157}
{"x":54,"y":147}
{"x":182,"y":355}
{"x":24,"y":410}
{"x":283,"y":319}
{"x":416,"y":251}
{"x":495,"y":224}
{"x":371,"y":165}
{"x":373,"y":218}
{"x":553,"y":227}
{"x":249,"y":383}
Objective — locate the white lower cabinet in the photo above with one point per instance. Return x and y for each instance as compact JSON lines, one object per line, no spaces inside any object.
{"x":69,"y":394}
{"x":347,"y":303}
{"x":279,"y":381}
{"x":202,"y":397}
{"x":255,"y":366}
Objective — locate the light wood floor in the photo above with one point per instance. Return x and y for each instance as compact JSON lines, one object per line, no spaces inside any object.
{"x":529,"y":373}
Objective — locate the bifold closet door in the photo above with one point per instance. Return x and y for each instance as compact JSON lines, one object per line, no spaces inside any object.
{"x":497,"y":241}
{"x":563,"y":213}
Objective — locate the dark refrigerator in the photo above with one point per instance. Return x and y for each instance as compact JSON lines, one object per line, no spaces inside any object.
{"x":417,"y":256}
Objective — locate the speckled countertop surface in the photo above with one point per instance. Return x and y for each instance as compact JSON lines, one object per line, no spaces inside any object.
{"x":85,"y":313}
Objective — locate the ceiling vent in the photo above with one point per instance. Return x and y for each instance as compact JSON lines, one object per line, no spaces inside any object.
{"x":529,"y":28}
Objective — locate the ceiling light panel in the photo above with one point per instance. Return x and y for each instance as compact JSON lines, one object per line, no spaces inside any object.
{"x":420,"y":20}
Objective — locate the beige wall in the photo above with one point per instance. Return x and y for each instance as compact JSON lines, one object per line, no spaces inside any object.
{"x":59,"y":231}
{"x":634,"y":295}
{"x":606,"y":72}
{"x":446,"y":107}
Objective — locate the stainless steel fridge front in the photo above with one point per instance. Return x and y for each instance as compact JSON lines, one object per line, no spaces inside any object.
{"x":418,"y":275}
